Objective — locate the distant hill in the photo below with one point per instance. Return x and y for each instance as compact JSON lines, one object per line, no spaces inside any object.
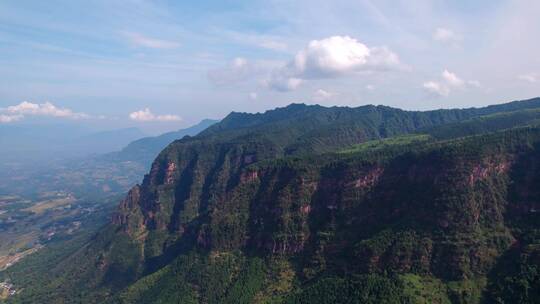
{"x":144,"y":150}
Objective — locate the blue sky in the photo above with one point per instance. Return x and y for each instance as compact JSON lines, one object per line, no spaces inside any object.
{"x":162,"y":65}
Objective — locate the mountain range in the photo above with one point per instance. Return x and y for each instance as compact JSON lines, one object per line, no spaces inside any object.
{"x":312,"y":204}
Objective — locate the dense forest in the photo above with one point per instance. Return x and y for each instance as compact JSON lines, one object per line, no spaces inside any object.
{"x":308,"y":204}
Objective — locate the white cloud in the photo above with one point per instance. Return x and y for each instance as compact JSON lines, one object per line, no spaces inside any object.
{"x":530,"y":77}
{"x":452,"y":79}
{"x":321,"y":95}
{"x":332,"y":57}
{"x":18,"y":112}
{"x":370,"y":87}
{"x":253,"y":96}
{"x":146,"y":115}
{"x":446,"y":35}
{"x":9,"y":118}
{"x":339,"y":55}
{"x":143,"y":41}
{"x":437,"y":88}
{"x":448,"y":82}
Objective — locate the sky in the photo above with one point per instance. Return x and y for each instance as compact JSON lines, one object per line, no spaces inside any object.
{"x":163,"y":65}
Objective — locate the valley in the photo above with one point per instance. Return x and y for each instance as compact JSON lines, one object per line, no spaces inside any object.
{"x":49,"y":204}
{"x":27,"y":226}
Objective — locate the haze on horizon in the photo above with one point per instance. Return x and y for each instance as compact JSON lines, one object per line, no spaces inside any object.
{"x":163,"y":65}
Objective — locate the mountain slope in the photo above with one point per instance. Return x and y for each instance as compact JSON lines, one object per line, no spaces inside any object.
{"x":285,"y":207}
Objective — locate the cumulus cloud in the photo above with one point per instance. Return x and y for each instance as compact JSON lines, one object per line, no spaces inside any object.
{"x":44,"y":109}
{"x":146,"y":115}
{"x":332,"y":57}
{"x":445,"y":35}
{"x":147,"y":42}
{"x":530,"y":77}
{"x":25,"y":108}
{"x":339,"y":55}
{"x":448,"y":82}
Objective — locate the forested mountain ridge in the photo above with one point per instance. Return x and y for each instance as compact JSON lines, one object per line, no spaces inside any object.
{"x":305,"y":204}
{"x":332,"y":115}
{"x":299,"y":128}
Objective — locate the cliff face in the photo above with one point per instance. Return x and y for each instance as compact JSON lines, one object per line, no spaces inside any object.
{"x":440,"y":211}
